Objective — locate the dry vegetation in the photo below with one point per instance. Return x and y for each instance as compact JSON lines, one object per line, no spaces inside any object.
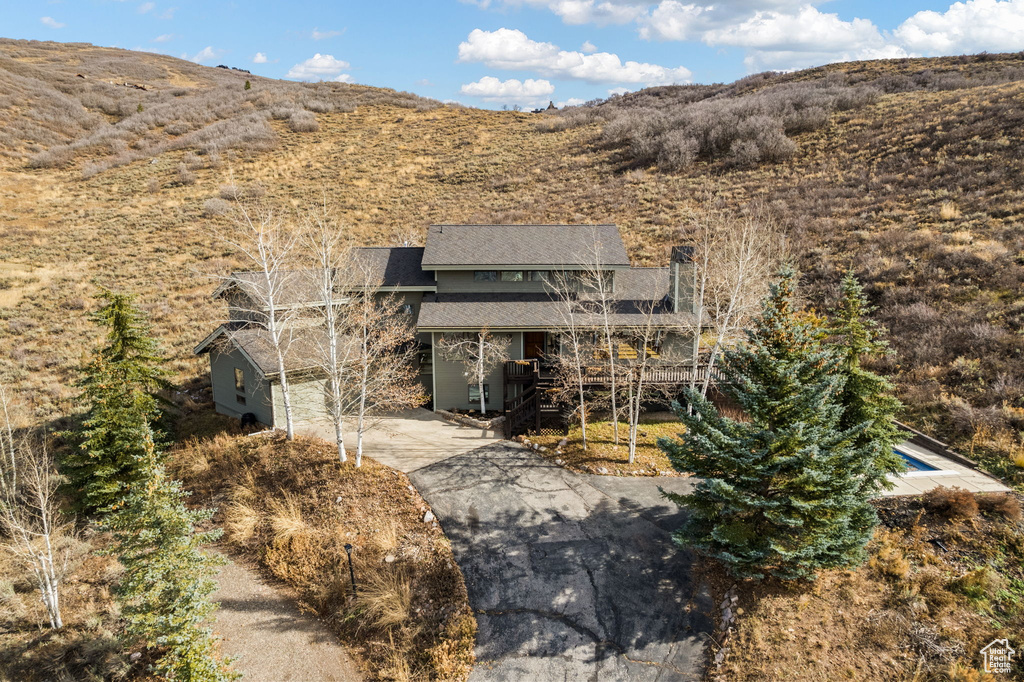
{"x":292,"y":507}
{"x":919,"y":190}
{"x":915,"y":611}
{"x":88,"y":647}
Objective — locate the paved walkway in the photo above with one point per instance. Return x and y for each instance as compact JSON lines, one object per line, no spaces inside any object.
{"x":411,"y":439}
{"x":272,"y":639}
{"x":572,"y":577}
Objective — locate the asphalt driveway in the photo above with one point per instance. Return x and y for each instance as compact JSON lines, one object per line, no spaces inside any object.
{"x":572,"y":577}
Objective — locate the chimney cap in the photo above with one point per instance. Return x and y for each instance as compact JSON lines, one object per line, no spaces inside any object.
{"x":681,"y":254}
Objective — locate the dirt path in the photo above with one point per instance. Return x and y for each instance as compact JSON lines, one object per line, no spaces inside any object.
{"x":272,"y":639}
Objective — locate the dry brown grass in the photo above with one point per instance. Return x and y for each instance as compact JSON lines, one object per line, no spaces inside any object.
{"x":913,"y":612}
{"x":875,"y":189}
{"x":292,"y":507}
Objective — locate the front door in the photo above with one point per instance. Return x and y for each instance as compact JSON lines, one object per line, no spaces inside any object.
{"x":533,"y":344}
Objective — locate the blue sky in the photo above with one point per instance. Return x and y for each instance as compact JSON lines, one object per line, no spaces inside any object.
{"x":495,"y":53}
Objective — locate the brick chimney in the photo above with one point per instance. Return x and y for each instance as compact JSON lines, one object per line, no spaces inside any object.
{"x":681,"y":279}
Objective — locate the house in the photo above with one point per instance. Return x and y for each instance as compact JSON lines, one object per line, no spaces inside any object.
{"x":466,"y":278}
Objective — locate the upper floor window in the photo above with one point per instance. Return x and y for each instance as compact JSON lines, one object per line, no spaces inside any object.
{"x":538,"y":275}
{"x":511,"y":275}
{"x":407,"y":309}
{"x":239,"y":380}
{"x":485,"y":275}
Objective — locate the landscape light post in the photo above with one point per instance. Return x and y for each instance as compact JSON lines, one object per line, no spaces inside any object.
{"x":351,"y":573}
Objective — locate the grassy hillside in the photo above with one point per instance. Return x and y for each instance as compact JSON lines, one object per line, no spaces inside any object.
{"x":916,"y":184}
{"x":909,"y":171}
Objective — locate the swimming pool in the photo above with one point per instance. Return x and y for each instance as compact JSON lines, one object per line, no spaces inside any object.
{"x":914,"y":464}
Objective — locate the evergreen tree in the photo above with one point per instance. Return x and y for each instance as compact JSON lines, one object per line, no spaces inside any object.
{"x":165,"y":589}
{"x":867,"y":398}
{"x":777,"y":495}
{"x":119,"y":383}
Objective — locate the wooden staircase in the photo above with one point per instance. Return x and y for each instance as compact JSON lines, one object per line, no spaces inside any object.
{"x":532,"y":387}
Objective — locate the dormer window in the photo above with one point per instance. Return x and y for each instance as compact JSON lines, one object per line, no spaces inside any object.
{"x":511,"y":275}
{"x":485,"y":275}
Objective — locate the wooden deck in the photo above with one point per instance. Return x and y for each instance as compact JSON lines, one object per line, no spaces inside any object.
{"x":532,"y":399}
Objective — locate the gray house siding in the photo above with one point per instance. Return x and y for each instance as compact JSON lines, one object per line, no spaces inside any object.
{"x":462,"y":281}
{"x":451,"y":385}
{"x":308,"y":398}
{"x":677,"y":348}
{"x":256,"y":394}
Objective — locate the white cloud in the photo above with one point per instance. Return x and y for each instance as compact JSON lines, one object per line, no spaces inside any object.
{"x":571,"y":102}
{"x":425,"y":83}
{"x":618,"y":91}
{"x":318,"y":67}
{"x":147,"y":7}
{"x":344,"y":78}
{"x":513,"y":50}
{"x":259,"y":58}
{"x":204,"y":55}
{"x":588,"y":47}
{"x":168,"y":13}
{"x":165,"y":38}
{"x":317,"y":34}
{"x":807,"y":30}
{"x":511,"y":91}
{"x":972,"y":26}
{"x":51,"y":22}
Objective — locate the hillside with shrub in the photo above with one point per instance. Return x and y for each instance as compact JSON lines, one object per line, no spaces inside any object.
{"x":907,"y":171}
{"x":119,"y":168}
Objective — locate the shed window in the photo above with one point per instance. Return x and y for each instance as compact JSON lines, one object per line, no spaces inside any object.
{"x":240,"y":399}
{"x":485,"y":275}
{"x":511,"y":275}
{"x":474,"y":393}
{"x":239,"y":380}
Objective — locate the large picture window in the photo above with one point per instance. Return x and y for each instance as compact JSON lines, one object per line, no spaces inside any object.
{"x":474,"y":393}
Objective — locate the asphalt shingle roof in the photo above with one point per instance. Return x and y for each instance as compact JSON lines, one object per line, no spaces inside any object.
{"x":634,"y":290}
{"x":390,"y":266}
{"x":523,"y":245}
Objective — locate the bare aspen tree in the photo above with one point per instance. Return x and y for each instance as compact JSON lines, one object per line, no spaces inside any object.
{"x":384,"y":376}
{"x":478,"y":352}
{"x":263,"y":239}
{"x":577,"y":349}
{"x":598,"y":282}
{"x":30,"y":516}
{"x":644,"y":338}
{"x":331,"y":279}
{"x":734,"y":258}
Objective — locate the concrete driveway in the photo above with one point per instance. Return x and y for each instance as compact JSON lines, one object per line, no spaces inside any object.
{"x":410,"y":439}
{"x":572,"y":577}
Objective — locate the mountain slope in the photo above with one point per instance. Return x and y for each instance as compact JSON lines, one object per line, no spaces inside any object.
{"x":918,"y":187}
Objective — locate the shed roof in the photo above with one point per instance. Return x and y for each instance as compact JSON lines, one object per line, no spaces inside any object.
{"x":473,"y":246}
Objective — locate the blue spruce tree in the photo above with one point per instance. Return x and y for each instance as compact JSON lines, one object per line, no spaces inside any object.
{"x":780,"y":494}
{"x":867,"y":398}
